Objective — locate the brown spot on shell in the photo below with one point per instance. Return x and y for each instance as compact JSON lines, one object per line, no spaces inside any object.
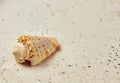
{"x":54,"y":45}
{"x":31,"y":56}
{"x":36,"y":50}
{"x":43,"y":45}
{"x":50,"y":50}
{"x":38,"y":38}
{"x":23,"y":39}
{"x":33,"y":42}
{"x":40,"y":53}
{"x":47,"y":54}
{"x":30,"y":52}
{"x":38,"y":46}
{"x":28,"y":45}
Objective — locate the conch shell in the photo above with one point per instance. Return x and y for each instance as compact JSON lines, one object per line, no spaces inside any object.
{"x":34,"y":48}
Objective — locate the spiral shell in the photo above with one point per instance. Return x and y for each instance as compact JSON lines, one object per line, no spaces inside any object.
{"x":34,"y":48}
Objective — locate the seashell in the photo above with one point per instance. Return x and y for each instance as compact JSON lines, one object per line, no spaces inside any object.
{"x":34,"y":48}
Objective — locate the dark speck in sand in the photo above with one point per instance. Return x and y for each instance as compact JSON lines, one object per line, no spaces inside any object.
{"x":89,"y":66}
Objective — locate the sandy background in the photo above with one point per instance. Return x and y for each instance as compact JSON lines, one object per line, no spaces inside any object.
{"x":87,"y":30}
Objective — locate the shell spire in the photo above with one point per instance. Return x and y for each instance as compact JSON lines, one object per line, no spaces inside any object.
{"x":34,"y":48}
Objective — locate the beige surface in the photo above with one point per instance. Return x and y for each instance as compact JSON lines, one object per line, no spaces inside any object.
{"x":87,"y":30}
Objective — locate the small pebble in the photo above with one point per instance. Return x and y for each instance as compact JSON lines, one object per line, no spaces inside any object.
{"x":106,"y":71}
{"x":69,"y":65}
{"x":2,"y":19}
{"x":63,"y":72}
{"x":17,"y":69}
{"x":114,"y":59}
{"x":117,"y":72}
{"x":101,"y":62}
{"x":119,"y":44}
{"x":48,"y":5}
{"x":112,"y":47}
{"x":109,"y":60}
{"x":72,"y":41}
{"x":89,"y":66}
{"x":4,"y":78}
{"x":38,"y":79}
{"x":115,"y":67}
